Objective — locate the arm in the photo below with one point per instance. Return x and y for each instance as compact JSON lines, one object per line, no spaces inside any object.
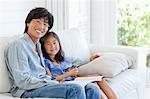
{"x":18,"y":66}
{"x":72,"y":72}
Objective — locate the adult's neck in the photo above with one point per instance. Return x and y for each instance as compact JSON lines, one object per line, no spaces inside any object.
{"x":34,"y":40}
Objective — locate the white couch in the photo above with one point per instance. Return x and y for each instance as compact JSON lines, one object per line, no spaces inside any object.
{"x":129,"y":84}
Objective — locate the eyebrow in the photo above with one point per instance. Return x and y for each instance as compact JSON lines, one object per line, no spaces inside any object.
{"x":45,"y":19}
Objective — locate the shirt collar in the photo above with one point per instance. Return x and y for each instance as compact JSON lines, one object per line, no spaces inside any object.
{"x":29,"y":40}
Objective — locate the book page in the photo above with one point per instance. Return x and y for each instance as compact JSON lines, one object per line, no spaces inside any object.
{"x":83,"y":81}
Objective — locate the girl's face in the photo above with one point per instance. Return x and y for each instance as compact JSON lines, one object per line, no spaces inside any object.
{"x":37,"y":28}
{"x":51,"y":45}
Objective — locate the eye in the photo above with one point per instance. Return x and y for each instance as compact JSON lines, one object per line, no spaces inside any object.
{"x":54,"y":43}
{"x":47,"y":44}
{"x":46,"y":24}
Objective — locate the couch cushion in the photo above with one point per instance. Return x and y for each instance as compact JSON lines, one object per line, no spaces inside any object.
{"x":4,"y":80}
{"x":74,"y":44}
{"x":9,"y":96}
{"x":124,"y":83}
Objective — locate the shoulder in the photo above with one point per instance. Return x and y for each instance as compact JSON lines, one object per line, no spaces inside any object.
{"x":67,"y":62}
{"x":15,"y":48}
{"x":68,"y":59}
{"x":16,"y":44}
{"x":47,"y":61}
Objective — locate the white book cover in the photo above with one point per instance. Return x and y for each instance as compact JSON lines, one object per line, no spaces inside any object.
{"x":83,"y":81}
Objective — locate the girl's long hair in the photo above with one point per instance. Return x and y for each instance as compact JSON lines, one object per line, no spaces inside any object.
{"x":59,"y":57}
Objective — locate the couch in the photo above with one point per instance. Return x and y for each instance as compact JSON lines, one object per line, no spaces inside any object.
{"x":129,"y":84}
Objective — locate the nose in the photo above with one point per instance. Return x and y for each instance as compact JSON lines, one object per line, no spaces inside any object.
{"x":42,"y":27}
{"x":51,"y":46}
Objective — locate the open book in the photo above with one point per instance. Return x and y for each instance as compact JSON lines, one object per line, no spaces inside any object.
{"x":83,"y":81}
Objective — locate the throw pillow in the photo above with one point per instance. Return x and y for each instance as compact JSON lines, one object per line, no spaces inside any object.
{"x":108,"y":64}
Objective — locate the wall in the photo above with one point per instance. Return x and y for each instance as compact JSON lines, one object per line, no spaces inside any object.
{"x":13,"y":14}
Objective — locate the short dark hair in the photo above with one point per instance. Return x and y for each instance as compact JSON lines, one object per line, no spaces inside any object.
{"x":59,"y":57}
{"x":38,"y":13}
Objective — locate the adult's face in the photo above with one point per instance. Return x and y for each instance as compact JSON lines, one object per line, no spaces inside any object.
{"x":37,"y":28}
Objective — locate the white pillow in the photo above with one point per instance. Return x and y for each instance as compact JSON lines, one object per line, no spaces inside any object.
{"x":74,"y":44}
{"x":108,"y":64}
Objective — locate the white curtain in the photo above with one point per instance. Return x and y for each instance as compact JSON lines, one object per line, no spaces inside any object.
{"x":59,"y":9}
{"x":71,"y":14}
{"x":104,"y":22}
{"x":96,"y":19}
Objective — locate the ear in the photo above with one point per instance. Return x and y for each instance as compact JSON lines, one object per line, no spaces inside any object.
{"x":27,"y":24}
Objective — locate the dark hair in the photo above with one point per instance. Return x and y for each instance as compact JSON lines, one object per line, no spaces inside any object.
{"x":59,"y":57}
{"x":38,"y":13}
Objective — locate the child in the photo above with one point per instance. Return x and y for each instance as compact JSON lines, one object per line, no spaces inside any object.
{"x":58,"y":64}
{"x":54,"y":58}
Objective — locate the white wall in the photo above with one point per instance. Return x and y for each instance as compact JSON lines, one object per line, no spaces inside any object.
{"x":13,"y":14}
{"x":103,"y":22}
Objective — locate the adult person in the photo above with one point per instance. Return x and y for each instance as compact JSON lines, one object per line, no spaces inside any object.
{"x":27,"y":71}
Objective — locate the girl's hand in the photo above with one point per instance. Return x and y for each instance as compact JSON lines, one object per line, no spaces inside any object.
{"x":94,"y":57}
{"x":59,"y":77}
{"x":73,"y":72}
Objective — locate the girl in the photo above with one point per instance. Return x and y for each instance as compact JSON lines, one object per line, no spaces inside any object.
{"x":57,"y":63}
{"x":55,"y":60}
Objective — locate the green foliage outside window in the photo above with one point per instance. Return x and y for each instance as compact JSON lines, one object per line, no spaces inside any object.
{"x":134,"y":24}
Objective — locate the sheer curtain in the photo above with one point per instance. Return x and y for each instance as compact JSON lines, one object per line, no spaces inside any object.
{"x":71,"y":14}
{"x":96,"y":19}
{"x":104,"y":22}
{"x":59,"y":9}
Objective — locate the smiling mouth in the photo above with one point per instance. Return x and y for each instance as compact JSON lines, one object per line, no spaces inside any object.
{"x":38,"y":31}
{"x":52,"y":50}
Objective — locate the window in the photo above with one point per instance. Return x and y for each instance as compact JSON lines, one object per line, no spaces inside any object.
{"x":134,"y":23}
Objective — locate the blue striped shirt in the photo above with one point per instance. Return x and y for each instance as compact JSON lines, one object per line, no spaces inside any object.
{"x":26,"y":68}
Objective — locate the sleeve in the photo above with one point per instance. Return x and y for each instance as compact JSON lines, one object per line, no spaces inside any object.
{"x":67,"y":63}
{"x":17,"y":62}
{"x":48,"y":63}
{"x":77,"y":62}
